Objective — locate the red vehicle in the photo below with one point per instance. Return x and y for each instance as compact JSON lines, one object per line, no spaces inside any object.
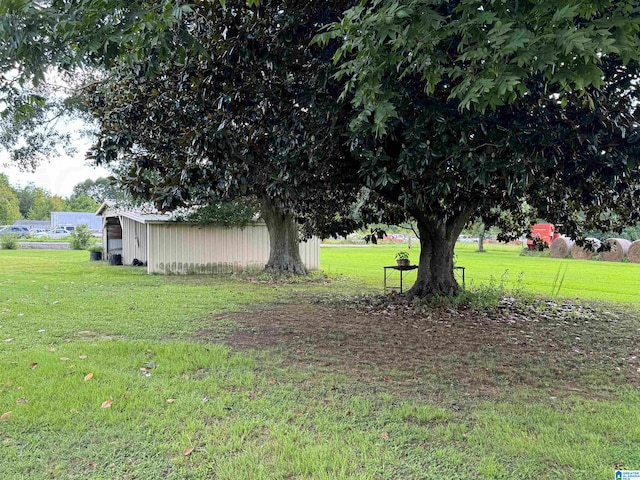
{"x":542,"y":235}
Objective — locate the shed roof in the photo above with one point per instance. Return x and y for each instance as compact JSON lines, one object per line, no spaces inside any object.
{"x":107,"y":204}
{"x":147,"y":217}
{"x":110,"y":209}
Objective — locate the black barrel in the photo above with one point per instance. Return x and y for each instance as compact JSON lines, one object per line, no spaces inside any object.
{"x":115,"y":259}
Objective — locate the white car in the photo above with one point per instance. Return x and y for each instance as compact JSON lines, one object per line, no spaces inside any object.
{"x":55,"y":233}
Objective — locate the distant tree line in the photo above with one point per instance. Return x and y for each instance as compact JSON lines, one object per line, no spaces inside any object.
{"x":36,"y":203}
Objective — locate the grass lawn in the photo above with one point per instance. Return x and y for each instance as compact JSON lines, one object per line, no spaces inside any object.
{"x":109,"y":373}
{"x":613,"y":281}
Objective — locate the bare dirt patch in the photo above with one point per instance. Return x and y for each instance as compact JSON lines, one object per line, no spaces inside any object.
{"x":559,"y":347}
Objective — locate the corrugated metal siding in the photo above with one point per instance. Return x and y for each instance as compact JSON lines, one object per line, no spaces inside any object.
{"x":134,"y":241}
{"x":183,"y":249}
{"x":310,"y":253}
{"x":114,"y":246}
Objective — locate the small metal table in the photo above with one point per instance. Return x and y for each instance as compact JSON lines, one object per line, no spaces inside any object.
{"x":402,"y":271}
{"x":460,"y":268}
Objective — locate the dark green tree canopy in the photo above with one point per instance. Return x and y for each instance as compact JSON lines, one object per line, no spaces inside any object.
{"x":46,"y":44}
{"x":481,"y":53}
{"x":254,"y":115}
{"x":466,"y":108}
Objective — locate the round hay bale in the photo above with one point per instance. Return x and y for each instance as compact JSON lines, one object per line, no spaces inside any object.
{"x":561,"y":247}
{"x":619,"y":248}
{"x":587,"y":251}
{"x":633,"y":254}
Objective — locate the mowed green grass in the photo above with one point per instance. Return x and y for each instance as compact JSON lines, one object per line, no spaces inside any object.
{"x":63,"y":318}
{"x":611,"y":281}
{"x":102,"y":377}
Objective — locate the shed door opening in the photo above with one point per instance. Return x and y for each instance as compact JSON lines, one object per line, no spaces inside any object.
{"x":114,"y":237}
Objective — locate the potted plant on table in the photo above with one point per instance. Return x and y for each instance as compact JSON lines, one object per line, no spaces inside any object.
{"x":402,"y":258}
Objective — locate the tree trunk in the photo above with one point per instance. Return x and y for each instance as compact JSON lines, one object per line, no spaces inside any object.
{"x":284,"y":254}
{"x":437,"y":243}
{"x":481,"y":239}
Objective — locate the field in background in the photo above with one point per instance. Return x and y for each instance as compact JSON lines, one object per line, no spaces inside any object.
{"x":619,"y":281}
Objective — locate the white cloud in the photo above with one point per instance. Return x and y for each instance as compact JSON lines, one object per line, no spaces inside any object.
{"x":59,"y":175}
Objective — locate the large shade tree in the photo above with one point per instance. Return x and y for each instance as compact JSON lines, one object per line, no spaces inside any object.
{"x":222,"y":100}
{"x":460,"y":108}
{"x":251,"y":112}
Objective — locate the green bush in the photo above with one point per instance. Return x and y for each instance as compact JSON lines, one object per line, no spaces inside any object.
{"x":226,"y":213}
{"x":81,"y":238}
{"x":9,"y":241}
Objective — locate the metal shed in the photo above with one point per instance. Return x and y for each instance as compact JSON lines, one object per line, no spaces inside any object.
{"x":170,"y":247}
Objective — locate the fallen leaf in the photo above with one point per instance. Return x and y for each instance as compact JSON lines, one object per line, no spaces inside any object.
{"x":52,"y":349}
{"x":171,"y":400}
{"x":88,"y":377}
{"x":65,"y":359}
{"x":5,"y":416}
{"x":93,"y":465}
{"x":22,"y":400}
{"x":185,"y":376}
{"x":82,"y":357}
{"x":273,"y":381}
{"x":107,"y":403}
{"x":34,"y":365}
{"x":188,"y":451}
{"x":8,"y":339}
